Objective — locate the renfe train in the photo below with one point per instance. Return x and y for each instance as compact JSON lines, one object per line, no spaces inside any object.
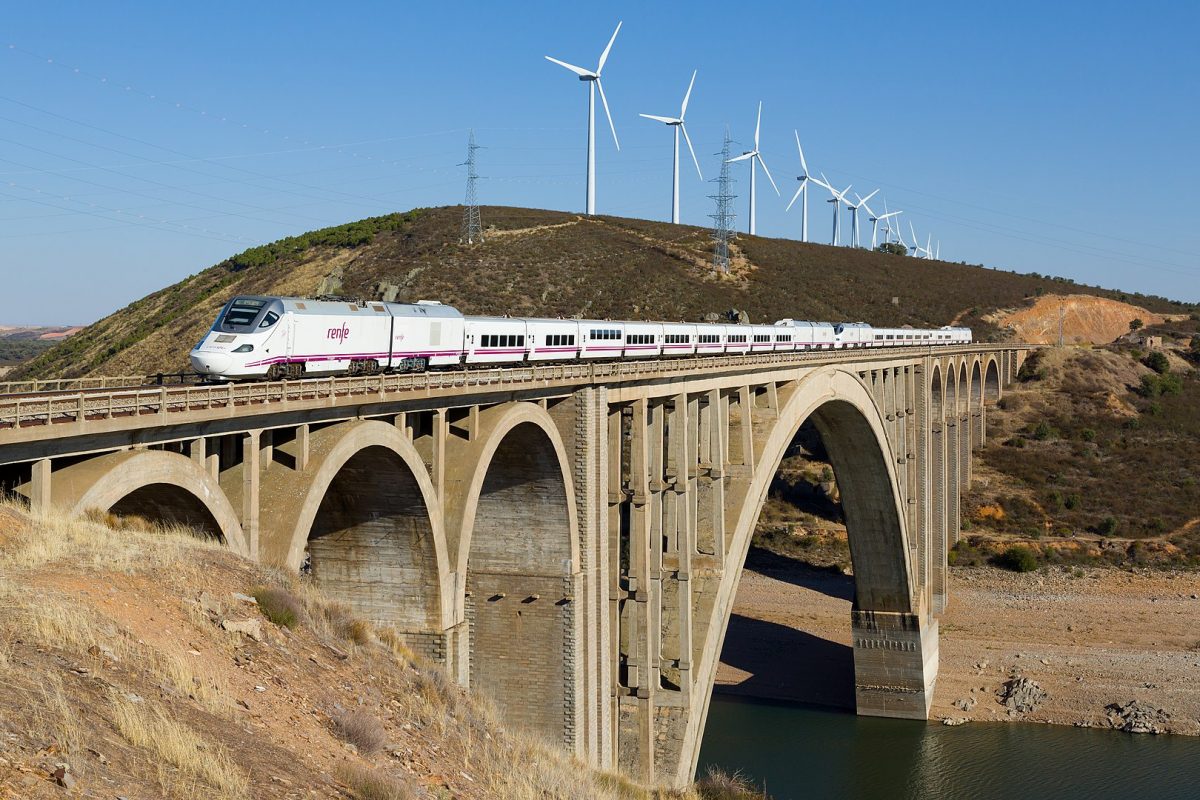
{"x":290,"y":337}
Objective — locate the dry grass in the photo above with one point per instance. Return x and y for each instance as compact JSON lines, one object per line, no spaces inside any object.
{"x":280,"y":606}
{"x":361,"y":730}
{"x":720,"y":785}
{"x":176,"y":744}
{"x":371,"y":784}
{"x":54,"y":714}
{"x":91,"y":541}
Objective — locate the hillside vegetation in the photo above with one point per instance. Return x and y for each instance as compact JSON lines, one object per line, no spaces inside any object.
{"x":553,"y":263}
{"x":140,"y":662}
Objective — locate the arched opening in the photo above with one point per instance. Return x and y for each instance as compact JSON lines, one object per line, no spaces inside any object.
{"x":829,"y":538}
{"x":520,"y":607}
{"x":168,"y":504}
{"x":371,"y":543}
{"x":991,"y":381}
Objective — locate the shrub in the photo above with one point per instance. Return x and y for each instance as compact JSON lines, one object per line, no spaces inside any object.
{"x":369,"y":784}
{"x":1018,"y":558}
{"x":1043,"y":431}
{"x":719,"y":785}
{"x":1072,"y":502}
{"x":361,"y":730}
{"x":279,"y":606}
{"x":1134,"y":324}
{"x":1158,"y":361}
{"x":1088,"y":435}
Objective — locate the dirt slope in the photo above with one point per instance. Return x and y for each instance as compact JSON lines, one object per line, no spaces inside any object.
{"x":551,"y":263}
{"x":1085,"y":319}
{"x":132,"y":664}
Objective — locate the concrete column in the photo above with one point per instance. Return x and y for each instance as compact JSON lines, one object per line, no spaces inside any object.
{"x":746,"y":407}
{"x":895,"y":663}
{"x":39,"y":486}
{"x":922,"y":451}
{"x":302,"y":444}
{"x":251,"y":480}
{"x":939,"y":479}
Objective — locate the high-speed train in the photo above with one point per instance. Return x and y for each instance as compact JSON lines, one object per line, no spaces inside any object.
{"x":291,"y":337}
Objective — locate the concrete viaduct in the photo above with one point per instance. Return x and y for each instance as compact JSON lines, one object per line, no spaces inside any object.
{"x":566,"y":538}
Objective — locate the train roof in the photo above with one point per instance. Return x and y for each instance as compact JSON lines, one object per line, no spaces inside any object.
{"x":304,"y":305}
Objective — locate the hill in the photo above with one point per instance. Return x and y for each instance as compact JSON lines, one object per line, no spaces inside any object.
{"x":552,"y":263}
{"x":137,"y":662}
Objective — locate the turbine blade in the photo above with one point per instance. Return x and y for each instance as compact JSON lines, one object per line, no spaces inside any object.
{"x":604,"y":55}
{"x":608,"y":113}
{"x":758,"y":125}
{"x":795,"y":197}
{"x":803,"y":163}
{"x":585,"y":73}
{"x":764,"y":166}
{"x":667,"y":120}
{"x":691,"y":150}
{"x":686,"y":97}
{"x":742,"y":157}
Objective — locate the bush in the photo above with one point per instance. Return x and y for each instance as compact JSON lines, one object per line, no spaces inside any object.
{"x":1134,"y":324}
{"x":279,"y":606}
{"x":1018,"y":558}
{"x":1088,"y":435}
{"x":1072,"y":502}
{"x":1043,"y":431}
{"x":361,"y":730}
{"x":1157,"y":361}
{"x":369,"y":784}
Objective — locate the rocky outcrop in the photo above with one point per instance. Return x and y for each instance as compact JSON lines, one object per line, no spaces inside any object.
{"x":1021,"y":695}
{"x":1135,"y":717}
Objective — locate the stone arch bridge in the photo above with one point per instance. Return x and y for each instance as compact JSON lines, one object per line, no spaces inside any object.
{"x":567,"y":538}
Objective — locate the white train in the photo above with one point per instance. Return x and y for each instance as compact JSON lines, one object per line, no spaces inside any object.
{"x":290,"y":337}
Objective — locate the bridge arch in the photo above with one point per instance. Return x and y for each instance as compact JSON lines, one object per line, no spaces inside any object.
{"x":518,"y":548}
{"x":854,"y":432}
{"x":368,"y":525}
{"x":155,"y":484}
{"x":992,"y":385}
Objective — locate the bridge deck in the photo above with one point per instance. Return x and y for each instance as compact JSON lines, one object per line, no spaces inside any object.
{"x":25,"y":418}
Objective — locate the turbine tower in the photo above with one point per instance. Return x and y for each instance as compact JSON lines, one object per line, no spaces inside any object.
{"x":837,"y":200}
{"x":802,"y":192}
{"x":854,"y":207}
{"x":754,"y":156}
{"x":592,"y":79}
{"x":677,"y":124}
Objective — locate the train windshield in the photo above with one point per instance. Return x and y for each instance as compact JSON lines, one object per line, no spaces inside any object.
{"x":242,"y":312}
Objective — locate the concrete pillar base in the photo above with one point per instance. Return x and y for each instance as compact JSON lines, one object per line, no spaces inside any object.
{"x":895,"y":663}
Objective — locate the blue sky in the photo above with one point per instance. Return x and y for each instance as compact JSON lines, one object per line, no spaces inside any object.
{"x":142,"y":142}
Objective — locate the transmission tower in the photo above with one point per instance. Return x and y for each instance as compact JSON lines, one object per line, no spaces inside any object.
{"x":724,"y":215}
{"x":472,"y":228}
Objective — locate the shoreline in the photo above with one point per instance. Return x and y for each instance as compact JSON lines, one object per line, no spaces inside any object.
{"x":1089,"y":638}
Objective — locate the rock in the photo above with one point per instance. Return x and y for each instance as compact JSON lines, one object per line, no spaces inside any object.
{"x":63,"y":777}
{"x":1021,"y":695}
{"x":1135,"y":717}
{"x":955,"y":721}
{"x":247,"y":627}
{"x":965,"y":703}
{"x":245,"y":598}
{"x":210,"y":604}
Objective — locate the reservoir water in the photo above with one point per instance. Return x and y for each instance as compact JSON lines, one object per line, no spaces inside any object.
{"x":803,"y":752}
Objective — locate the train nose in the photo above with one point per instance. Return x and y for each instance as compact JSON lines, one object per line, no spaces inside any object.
{"x":211,"y":363}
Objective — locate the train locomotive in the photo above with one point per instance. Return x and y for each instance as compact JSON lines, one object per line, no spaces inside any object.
{"x":257,"y":337}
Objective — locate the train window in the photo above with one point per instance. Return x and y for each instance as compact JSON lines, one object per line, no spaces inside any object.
{"x":878,"y":336}
{"x":270,"y":319}
{"x":243,"y":311}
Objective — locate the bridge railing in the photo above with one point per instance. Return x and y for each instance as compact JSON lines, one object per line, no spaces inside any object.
{"x":83,"y":401}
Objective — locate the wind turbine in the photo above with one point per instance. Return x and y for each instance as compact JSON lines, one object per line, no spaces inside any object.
{"x":592,"y":79}
{"x":677,"y":124}
{"x":854,"y":207}
{"x":887,"y":231}
{"x":754,"y":156}
{"x":916,"y":242}
{"x":837,"y":200}
{"x":938,"y":254}
{"x":804,"y":178}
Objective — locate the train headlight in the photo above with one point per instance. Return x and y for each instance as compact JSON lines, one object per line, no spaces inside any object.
{"x":246,"y":348}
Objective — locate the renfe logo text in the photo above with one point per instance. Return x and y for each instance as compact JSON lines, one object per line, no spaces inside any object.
{"x":339,"y":334}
